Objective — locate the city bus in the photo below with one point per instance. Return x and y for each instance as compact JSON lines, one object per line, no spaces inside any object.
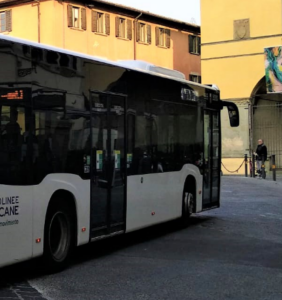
{"x":91,"y":148}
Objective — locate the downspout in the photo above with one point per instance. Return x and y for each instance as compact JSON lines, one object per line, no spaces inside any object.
{"x":135,"y":33}
{"x":38,"y":19}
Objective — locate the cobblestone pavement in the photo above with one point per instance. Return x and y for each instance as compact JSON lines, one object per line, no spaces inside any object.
{"x":233,"y":253}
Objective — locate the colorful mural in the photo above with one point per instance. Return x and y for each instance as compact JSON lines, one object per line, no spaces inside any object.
{"x":273,"y":69}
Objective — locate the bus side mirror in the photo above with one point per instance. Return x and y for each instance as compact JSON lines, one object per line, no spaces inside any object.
{"x":233,"y":113}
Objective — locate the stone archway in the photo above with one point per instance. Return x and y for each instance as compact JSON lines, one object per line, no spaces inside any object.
{"x":266,"y":120}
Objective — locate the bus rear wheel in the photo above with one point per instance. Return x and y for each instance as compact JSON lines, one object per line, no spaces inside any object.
{"x":187,"y":207}
{"x":58,"y":238}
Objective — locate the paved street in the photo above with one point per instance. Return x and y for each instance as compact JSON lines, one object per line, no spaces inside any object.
{"x":234,"y":252}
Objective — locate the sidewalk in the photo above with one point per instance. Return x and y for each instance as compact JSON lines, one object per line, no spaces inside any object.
{"x":269,"y":176}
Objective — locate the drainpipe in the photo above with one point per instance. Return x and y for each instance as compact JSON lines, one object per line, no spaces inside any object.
{"x":38,"y":17}
{"x":135,"y":33}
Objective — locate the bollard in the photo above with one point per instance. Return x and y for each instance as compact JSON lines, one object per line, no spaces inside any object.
{"x":263,"y":174}
{"x":273,"y":167}
{"x":251,"y":166}
{"x":246,"y":165}
{"x":254,"y":167}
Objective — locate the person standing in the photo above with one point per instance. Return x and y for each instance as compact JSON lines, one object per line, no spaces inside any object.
{"x":261,"y":155}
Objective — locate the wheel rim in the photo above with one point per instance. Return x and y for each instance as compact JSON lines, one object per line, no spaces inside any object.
{"x":189,"y":203}
{"x":59,"y":236}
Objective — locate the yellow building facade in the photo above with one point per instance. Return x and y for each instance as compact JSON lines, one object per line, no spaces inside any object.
{"x":234,"y":35}
{"x":106,"y":30}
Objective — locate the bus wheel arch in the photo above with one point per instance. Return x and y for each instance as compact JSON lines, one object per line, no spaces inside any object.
{"x":189,"y":197}
{"x":60,"y":230}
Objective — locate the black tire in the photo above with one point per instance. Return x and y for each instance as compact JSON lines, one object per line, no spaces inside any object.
{"x":187,"y":207}
{"x":58,"y":238}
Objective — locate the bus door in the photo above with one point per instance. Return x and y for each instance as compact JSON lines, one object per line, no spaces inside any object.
{"x":212,"y":148}
{"x":108,"y":164}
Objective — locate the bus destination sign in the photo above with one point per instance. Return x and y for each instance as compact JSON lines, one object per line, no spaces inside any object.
{"x":13,"y":95}
{"x":19,"y":94}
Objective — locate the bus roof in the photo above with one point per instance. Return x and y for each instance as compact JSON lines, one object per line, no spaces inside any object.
{"x":139,"y":66}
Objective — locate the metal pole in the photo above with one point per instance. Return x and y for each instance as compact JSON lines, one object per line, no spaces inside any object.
{"x":246,"y":165}
{"x":263,"y":167}
{"x":273,"y":167}
{"x":254,"y":167}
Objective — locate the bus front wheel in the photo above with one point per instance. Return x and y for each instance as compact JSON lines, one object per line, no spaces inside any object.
{"x":58,"y":237}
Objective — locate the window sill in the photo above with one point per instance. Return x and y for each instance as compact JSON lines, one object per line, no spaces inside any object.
{"x":198,"y":54}
{"x":163,"y":47}
{"x":143,"y":43}
{"x":101,"y":33}
{"x":75,"y":28}
{"x":121,"y":38}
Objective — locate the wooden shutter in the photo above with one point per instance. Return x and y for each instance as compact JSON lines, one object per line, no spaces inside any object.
{"x":167,"y":36}
{"x":70,"y":24}
{"x":83,"y":18}
{"x":117,"y":26}
{"x":108,"y":24}
{"x":199,"y":45}
{"x":149,"y":34}
{"x":9,"y":20}
{"x":190,"y":43}
{"x":94,"y":21}
{"x":129,"y":29}
{"x":157,"y":30}
{"x":138,"y":25}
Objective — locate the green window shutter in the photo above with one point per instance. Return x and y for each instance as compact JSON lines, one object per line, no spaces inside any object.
{"x":129,"y":29}
{"x":157,"y":30}
{"x":70,"y":24}
{"x":117,"y":26}
{"x":199,"y":45}
{"x":167,"y":35}
{"x":108,"y":24}
{"x":190,"y":43}
{"x":83,"y":19}
{"x":94,"y":21}
{"x":9,"y":20}
{"x":149,"y":34}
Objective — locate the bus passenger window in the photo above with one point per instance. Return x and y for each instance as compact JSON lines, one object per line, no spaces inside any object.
{"x":13,"y":127}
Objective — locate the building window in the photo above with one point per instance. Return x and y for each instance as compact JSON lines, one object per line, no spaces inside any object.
{"x":144,"y":33}
{"x":162,"y":37}
{"x":123,"y":28}
{"x":6,"y":21}
{"x":194,"y":44}
{"x":195,"y":78}
{"x":76,"y":17}
{"x":100,"y":22}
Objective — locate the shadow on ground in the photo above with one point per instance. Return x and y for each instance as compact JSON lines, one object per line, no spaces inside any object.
{"x":21,"y":272}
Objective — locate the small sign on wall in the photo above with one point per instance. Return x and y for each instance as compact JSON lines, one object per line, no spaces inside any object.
{"x":99,"y":160}
{"x":241,"y":29}
{"x":117,"y":159}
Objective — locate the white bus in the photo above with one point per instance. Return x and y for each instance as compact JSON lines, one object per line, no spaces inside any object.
{"x":91,"y":148}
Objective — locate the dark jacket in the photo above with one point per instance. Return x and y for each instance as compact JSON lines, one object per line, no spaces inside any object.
{"x":261,"y":151}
